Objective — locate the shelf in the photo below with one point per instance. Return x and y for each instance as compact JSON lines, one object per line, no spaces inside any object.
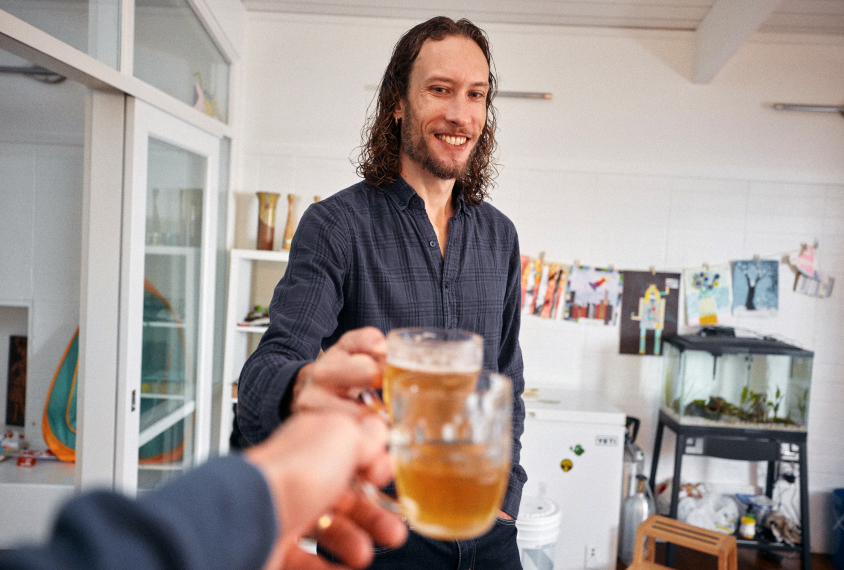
{"x":259,"y":329}
{"x":161,"y":417}
{"x":164,"y":324}
{"x":153,"y":396}
{"x":172,"y":250}
{"x":261,"y":255}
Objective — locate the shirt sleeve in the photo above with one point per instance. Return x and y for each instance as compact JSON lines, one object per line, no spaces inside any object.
{"x":220,"y":516}
{"x":303,"y":312}
{"x":510,"y":363}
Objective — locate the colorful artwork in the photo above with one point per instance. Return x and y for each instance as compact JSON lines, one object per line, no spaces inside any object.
{"x":543,"y":287}
{"x":756,"y":287}
{"x":593,"y":294}
{"x":649,"y":310}
{"x":820,"y":287}
{"x":707,"y":295}
{"x":16,"y":387}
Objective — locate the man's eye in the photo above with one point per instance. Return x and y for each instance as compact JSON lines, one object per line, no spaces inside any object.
{"x":478,"y":95}
{"x":438,"y":89}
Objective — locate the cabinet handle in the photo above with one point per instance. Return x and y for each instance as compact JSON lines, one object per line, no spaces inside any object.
{"x":134,"y":392}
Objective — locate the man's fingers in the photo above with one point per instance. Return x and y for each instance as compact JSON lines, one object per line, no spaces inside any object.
{"x":342,"y":371}
{"x":318,"y":399}
{"x":367,"y":340}
{"x":385,"y":528}
{"x":347,"y":541}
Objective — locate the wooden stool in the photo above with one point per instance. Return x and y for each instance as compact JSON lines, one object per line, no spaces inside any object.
{"x":722,"y":546}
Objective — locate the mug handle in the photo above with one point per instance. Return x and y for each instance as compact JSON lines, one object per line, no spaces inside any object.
{"x":377,"y":497}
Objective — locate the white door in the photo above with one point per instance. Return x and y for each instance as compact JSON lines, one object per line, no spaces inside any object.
{"x":167,"y":297}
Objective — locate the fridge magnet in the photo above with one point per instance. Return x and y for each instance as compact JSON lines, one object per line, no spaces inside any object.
{"x":756,"y":287}
{"x":707,"y":295}
{"x":649,"y":310}
{"x":593,"y":294}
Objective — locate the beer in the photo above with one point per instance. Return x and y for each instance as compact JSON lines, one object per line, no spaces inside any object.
{"x":450,"y":491}
{"x":449,"y":380}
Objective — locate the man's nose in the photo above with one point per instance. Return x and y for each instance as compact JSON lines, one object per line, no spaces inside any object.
{"x":459,"y":111}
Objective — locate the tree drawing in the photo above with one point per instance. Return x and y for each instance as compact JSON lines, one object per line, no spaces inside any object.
{"x":758,"y":274}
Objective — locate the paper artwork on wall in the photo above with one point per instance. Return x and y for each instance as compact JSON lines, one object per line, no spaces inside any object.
{"x":756,"y":287}
{"x":812,"y":287}
{"x":707,"y":293}
{"x":543,"y":288}
{"x":649,"y":310}
{"x":593,"y":294}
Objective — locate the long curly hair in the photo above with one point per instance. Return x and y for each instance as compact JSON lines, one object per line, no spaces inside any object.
{"x":378,"y":161}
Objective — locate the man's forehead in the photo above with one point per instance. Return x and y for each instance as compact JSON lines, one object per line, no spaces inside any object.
{"x":452,"y":54}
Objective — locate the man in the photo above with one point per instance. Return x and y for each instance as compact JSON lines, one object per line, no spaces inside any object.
{"x":238,"y":512}
{"x":413,"y":245}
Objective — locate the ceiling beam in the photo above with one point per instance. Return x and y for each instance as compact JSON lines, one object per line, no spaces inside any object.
{"x":727,"y":25}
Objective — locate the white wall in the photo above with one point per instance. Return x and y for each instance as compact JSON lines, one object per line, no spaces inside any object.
{"x":629,"y":164}
{"x":41,"y":131}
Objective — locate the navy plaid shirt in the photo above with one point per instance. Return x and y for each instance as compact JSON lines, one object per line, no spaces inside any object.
{"x":365,"y":257}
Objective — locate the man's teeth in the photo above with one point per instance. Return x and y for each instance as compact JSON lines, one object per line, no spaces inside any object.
{"x":456,"y":141}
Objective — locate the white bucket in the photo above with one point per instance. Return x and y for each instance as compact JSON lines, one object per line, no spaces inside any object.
{"x":538,"y":529}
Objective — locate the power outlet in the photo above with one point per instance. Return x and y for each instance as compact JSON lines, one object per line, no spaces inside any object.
{"x":591,"y":556}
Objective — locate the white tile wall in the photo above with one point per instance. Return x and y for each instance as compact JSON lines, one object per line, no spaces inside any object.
{"x":629,"y":164}
{"x":40,"y":249}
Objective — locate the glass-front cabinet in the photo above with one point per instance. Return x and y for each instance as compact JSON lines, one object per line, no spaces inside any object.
{"x":170,"y":296}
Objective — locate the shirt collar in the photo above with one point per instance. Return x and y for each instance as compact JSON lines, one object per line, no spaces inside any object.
{"x":402,"y":193}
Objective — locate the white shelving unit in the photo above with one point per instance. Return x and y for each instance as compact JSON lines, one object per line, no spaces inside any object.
{"x":236,"y":351}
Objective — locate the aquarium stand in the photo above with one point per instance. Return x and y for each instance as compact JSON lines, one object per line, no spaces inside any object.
{"x":743,"y":444}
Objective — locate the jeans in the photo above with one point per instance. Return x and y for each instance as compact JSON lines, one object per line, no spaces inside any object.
{"x":496,"y":550}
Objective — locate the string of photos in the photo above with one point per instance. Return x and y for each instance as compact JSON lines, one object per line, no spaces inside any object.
{"x":651,"y":299}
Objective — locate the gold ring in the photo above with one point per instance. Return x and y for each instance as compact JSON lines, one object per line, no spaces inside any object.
{"x":325,"y":521}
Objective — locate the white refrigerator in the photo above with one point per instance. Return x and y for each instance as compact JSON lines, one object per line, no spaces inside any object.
{"x":572,"y":451}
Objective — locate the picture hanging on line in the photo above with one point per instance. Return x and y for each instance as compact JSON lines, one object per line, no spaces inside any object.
{"x":707,"y":295}
{"x":756,"y":287}
{"x":593,"y":294}
{"x":649,"y":311}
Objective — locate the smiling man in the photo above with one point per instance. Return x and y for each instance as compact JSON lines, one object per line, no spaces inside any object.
{"x":414,"y":244}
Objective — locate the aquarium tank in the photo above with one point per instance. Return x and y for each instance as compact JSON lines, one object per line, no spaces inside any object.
{"x":716,"y":378}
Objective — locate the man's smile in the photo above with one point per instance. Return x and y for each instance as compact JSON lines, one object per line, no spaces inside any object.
{"x":452,"y":140}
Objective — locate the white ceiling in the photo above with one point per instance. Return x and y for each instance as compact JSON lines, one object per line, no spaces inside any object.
{"x":787,"y":16}
{"x":720,"y":26}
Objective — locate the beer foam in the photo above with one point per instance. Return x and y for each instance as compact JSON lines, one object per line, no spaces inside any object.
{"x":433,"y":367}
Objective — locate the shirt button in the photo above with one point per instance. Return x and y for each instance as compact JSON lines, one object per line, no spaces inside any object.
{"x":415,"y":201}
{"x":446,"y":285}
{"x":432,"y":243}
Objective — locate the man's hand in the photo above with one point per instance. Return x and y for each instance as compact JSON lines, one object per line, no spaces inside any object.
{"x":354,"y":363}
{"x":309,"y":464}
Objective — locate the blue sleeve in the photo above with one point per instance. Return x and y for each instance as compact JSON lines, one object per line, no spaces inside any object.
{"x":303,"y":312}
{"x":510,"y":363}
{"x":219,"y":516}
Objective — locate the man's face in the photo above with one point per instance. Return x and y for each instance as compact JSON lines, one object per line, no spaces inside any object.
{"x":445,"y":110}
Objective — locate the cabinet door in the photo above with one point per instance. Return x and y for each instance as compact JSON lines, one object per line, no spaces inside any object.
{"x":167,"y":297}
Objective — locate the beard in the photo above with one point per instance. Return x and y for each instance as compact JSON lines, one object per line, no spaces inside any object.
{"x":416,"y":147}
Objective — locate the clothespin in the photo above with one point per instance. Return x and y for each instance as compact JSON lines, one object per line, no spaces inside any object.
{"x":611,"y":267}
{"x":577,"y":263}
{"x":541,"y":257}
{"x":706,"y":266}
{"x":652,"y":270}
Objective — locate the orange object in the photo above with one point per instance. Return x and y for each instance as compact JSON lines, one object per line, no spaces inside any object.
{"x":288,"y":229}
{"x":26,"y":461}
{"x":721,"y":546}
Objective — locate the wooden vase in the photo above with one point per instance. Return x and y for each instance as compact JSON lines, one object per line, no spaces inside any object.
{"x":288,"y":229}
{"x":266,"y":219}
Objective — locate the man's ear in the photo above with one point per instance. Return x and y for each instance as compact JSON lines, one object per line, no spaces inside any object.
{"x":398,"y":112}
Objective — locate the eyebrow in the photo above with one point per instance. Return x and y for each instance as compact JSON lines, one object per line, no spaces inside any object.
{"x":443,"y":79}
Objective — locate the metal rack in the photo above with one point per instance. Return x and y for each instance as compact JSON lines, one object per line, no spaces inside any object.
{"x":743,"y":444}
